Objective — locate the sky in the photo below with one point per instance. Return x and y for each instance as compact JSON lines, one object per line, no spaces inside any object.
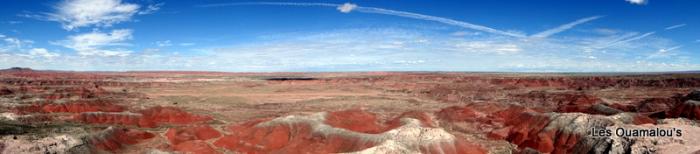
{"x":337,"y":36}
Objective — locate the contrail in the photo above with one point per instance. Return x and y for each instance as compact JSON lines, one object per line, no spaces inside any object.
{"x":564,"y":27}
{"x":347,"y":7}
{"x":675,"y":26}
{"x":672,"y":48}
{"x":628,"y":40}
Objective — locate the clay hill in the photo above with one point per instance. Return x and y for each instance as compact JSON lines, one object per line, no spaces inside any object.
{"x":373,"y":112}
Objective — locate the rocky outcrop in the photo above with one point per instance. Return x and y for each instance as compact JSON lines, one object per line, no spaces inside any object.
{"x":62,"y":143}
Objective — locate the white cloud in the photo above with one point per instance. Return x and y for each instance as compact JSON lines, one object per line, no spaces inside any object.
{"x":82,"y":13}
{"x":347,"y":7}
{"x":675,"y":26}
{"x":8,"y":43}
{"x":42,"y":53}
{"x":10,"y":46}
{"x":165,"y":43}
{"x":13,"y":42}
{"x":638,"y":2}
{"x":99,"y":44}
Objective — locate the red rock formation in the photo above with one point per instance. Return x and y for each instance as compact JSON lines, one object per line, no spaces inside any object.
{"x":528,"y":130}
{"x":639,"y":119}
{"x":178,"y":135}
{"x":114,"y":139}
{"x":424,"y":118}
{"x":79,"y":91}
{"x":171,"y":115}
{"x":151,"y":117}
{"x":6,"y":91}
{"x":689,"y":109}
{"x":658,"y":104}
{"x":113,"y":118}
{"x":560,"y":102}
{"x":82,"y":107}
{"x":355,"y":120}
{"x":456,"y":113}
{"x":195,"y":147}
{"x":483,"y":113}
{"x":597,"y":82}
{"x":694,"y":95}
{"x":312,"y":134}
{"x":71,"y":107}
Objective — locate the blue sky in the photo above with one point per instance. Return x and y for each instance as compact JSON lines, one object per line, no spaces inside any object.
{"x":245,"y":36}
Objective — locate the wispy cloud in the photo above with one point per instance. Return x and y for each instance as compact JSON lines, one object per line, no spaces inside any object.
{"x":638,"y":2}
{"x":349,"y":7}
{"x":487,"y":46}
{"x":99,"y":44}
{"x":151,"y":8}
{"x":187,"y":44}
{"x":381,"y":49}
{"x":564,"y":27}
{"x":165,"y":43}
{"x":675,"y":26}
{"x":14,"y":22}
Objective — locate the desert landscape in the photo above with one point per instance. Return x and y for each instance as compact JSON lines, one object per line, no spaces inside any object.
{"x":350,"y":77}
{"x":362,"y":112}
